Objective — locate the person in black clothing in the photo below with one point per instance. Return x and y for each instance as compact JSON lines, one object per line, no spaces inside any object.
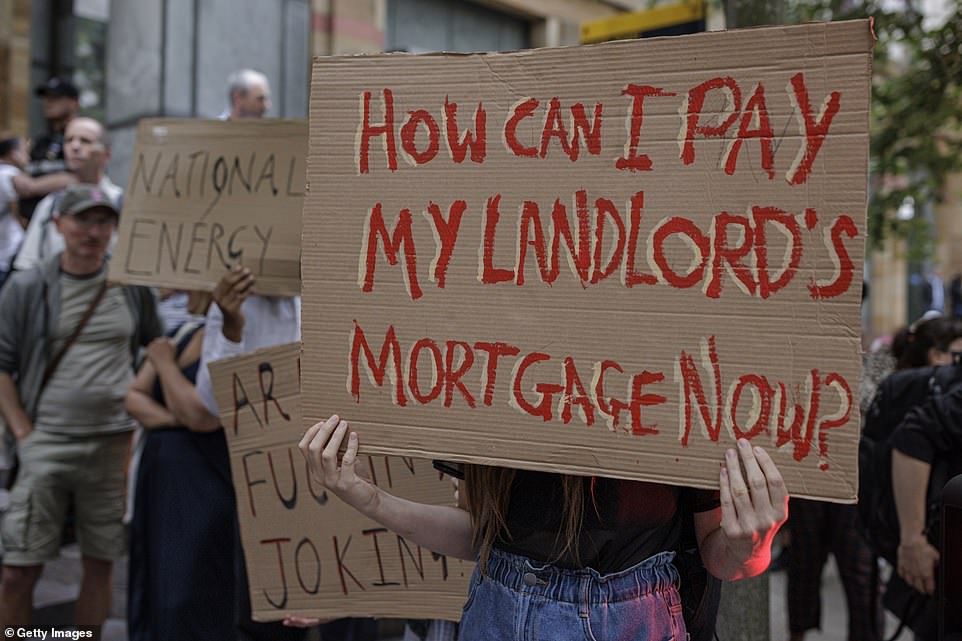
{"x":926,"y":452}
{"x":819,"y":528}
{"x":61,"y":103}
{"x":181,"y":467}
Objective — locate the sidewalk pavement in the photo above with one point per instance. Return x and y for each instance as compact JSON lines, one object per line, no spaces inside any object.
{"x":834,"y":613}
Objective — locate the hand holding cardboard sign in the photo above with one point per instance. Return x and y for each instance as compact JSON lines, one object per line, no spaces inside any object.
{"x":443,"y":529}
{"x":753,"y":508}
{"x":229,"y":294}
{"x":320,"y":446}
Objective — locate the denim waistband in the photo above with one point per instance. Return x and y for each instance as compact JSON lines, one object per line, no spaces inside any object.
{"x":521,"y":574}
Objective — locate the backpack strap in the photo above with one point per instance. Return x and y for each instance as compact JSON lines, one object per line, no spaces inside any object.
{"x":74,"y":335}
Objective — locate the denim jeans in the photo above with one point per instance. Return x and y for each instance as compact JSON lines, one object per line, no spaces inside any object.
{"x":521,"y":600}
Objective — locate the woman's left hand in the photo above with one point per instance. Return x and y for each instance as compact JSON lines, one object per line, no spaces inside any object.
{"x":753,"y":505}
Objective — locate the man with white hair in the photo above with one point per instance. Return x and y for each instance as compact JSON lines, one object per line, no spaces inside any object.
{"x":248,"y":95}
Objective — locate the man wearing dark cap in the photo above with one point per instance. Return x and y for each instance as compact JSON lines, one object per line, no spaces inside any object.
{"x":67,"y":344}
{"x":61,"y":102}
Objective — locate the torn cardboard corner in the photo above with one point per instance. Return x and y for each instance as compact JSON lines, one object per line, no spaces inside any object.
{"x":611,"y":259}
{"x":307,"y":553}
{"x":205,"y":195}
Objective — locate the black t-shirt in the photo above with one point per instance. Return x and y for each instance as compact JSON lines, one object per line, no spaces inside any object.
{"x":46,"y":157}
{"x":47,"y":148}
{"x":625,"y":523}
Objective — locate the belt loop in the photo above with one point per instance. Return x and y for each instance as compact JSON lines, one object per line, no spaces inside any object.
{"x":584,"y":608}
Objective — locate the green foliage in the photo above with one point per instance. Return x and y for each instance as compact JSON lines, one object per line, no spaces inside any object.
{"x":916,"y":119}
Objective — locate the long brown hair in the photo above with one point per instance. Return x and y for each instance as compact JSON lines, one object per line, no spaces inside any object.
{"x":488,"y":492}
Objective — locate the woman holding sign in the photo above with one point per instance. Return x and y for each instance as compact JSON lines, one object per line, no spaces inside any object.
{"x":565,"y":557}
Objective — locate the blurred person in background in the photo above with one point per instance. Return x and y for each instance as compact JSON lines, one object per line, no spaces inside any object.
{"x":930,"y":341}
{"x":13,"y":157}
{"x":917,"y":412}
{"x":926,"y":454}
{"x":61,"y":103}
{"x":87,"y":152}
{"x":180,"y":469}
{"x":248,"y":95}
{"x":818,"y":528}
{"x":16,"y":184}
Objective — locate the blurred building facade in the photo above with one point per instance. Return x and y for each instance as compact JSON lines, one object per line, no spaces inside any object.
{"x":15,"y":65}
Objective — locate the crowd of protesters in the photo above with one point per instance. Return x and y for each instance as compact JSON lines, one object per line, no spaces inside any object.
{"x":84,"y":366}
{"x":94,"y":377}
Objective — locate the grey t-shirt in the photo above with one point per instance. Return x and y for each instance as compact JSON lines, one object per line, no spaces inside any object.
{"x":86,"y":394}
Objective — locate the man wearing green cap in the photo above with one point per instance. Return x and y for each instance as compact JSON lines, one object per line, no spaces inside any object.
{"x":67,"y":343}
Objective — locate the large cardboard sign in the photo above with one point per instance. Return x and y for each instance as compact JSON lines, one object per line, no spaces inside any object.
{"x":308,"y":553}
{"x":610,"y":259}
{"x":204,"y":195}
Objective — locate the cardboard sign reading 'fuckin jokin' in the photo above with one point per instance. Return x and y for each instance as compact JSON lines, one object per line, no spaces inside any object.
{"x":610,"y":259}
{"x":205,"y":195}
{"x":308,"y":553}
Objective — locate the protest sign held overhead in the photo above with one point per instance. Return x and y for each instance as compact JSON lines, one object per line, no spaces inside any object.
{"x":205,"y":195}
{"x":307,"y":553}
{"x":612,"y":259}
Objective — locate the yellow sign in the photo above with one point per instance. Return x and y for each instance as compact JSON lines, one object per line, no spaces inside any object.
{"x":631,"y":25}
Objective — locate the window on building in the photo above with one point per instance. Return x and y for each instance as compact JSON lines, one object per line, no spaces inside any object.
{"x":440,"y":25}
{"x":68,"y":39}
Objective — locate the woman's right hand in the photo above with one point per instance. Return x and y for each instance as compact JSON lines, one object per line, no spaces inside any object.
{"x":320,"y":446}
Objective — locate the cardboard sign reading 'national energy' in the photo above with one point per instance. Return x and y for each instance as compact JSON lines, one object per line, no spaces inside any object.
{"x":611,"y":259}
{"x":307,"y":553}
{"x":205,"y":195}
